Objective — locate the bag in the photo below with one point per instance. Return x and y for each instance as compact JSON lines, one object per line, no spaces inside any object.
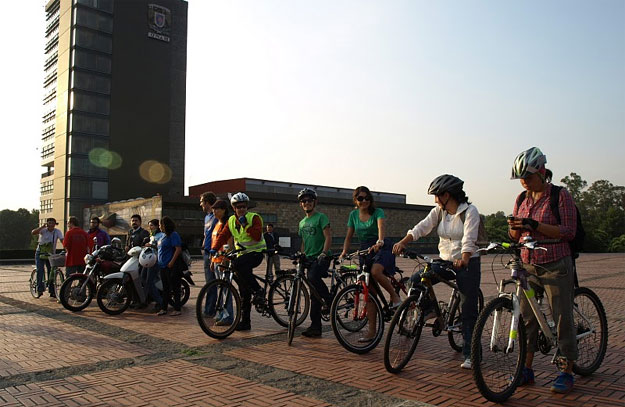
{"x":482,"y":236}
{"x":577,"y":244}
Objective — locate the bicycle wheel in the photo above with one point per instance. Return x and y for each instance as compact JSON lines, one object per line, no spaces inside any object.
{"x":454,"y":330}
{"x":592,"y":325}
{"x":403,"y":335}
{"x":279,"y":294}
{"x":223,"y":301}
{"x":112,"y":296}
{"x":59,"y":278}
{"x":76,"y":292}
{"x":497,"y":370}
{"x":293,"y":310}
{"x":349,"y":317}
{"x":32,"y":284}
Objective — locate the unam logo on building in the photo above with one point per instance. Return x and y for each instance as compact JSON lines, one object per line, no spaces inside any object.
{"x":159,"y":22}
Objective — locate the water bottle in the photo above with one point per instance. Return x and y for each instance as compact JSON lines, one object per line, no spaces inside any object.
{"x":543,"y":304}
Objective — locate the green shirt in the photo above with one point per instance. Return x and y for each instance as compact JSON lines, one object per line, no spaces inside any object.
{"x":365,"y":230}
{"x":311,"y":232}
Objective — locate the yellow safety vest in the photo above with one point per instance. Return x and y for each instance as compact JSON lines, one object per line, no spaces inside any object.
{"x":241,"y":237}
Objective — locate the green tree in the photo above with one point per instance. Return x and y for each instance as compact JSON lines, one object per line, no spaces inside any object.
{"x":496,"y":227}
{"x":15,"y":228}
{"x":575,"y":185}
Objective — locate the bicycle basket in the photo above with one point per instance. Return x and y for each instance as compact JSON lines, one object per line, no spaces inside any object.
{"x":57,"y":260}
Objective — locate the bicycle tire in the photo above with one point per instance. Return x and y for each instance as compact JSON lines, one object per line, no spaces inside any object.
{"x":59,"y":279}
{"x":591,"y":349}
{"x":497,"y":372}
{"x":72,"y":296}
{"x":223,"y":290}
{"x":32,"y":284}
{"x":348,"y":319}
{"x":454,"y":330}
{"x":293,"y":309}
{"x":113,"y":297}
{"x":278,"y":301}
{"x":403,"y":335}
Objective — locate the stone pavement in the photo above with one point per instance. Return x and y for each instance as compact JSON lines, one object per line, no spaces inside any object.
{"x":50,"y":356}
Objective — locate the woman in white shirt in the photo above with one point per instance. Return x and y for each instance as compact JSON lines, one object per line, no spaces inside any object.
{"x":457,"y":223}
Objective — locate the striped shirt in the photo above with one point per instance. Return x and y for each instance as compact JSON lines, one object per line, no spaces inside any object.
{"x":541,"y":211}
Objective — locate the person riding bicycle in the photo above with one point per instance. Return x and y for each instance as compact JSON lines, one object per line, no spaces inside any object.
{"x":47,"y":238}
{"x":533,"y":217}
{"x":247,"y":230}
{"x":316,"y":235}
{"x":457,"y":223}
{"x":220,"y":211}
{"x":367,"y":222}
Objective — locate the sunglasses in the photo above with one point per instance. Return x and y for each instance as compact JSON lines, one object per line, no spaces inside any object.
{"x":240,"y":206}
{"x":307,"y":200}
{"x":363,"y":198}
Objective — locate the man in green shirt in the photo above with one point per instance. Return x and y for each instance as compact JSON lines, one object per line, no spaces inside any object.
{"x":316,"y":236}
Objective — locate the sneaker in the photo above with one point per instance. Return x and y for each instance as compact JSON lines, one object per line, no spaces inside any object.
{"x":527,"y":376}
{"x":563,"y":383}
{"x":259,"y":297}
{"x":395,"y":305}
{"x":224,"y":322}
{"x":466,"y":364}
{"x":161,"y":313}
{"x":312,"y":332}
{"x":175,"y":313}
{"x":243,"y":326}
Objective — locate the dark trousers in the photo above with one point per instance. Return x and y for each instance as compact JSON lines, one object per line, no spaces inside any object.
{"x":171,"y":285}
{"x":244,"y":271}
{"x":317,"y":271}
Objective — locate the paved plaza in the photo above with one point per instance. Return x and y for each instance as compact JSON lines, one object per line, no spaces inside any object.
{"x":53,"y":357}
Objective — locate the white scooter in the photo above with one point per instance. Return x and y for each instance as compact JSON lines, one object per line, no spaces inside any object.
{"x":117,"y":289}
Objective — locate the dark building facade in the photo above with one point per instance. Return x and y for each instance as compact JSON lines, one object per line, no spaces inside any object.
{"x":114,"y":102}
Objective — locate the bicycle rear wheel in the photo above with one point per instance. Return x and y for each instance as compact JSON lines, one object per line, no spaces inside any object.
{"x":59,"y":279}
{"x":403,"y":335}
{"x":279,"y":295}
{"x":349,"y":317}
{"x":590,"y":323}
{"x":454,"y":330}
{"x":294,"y":305}
{"x":223,"y":302}
{"x":32,"y":284}
{"x":497,"y":370}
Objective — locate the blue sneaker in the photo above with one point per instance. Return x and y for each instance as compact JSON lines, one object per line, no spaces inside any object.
{"x":527,"y":376}
{"x":563,"y":383}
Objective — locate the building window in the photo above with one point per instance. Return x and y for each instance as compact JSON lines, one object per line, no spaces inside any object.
{"x":91,"y":82}
{"x":88,"y":124}
{"x":105,"y":5}
{"x":100,"y":190}
{"x":94,"y":62}
{"x":46,"y":205}
{"x":84,"y":144}
{"x":269,"y":217}
{"x":93,"y":19}
{"x":90,"y":103}
{"x":79,"y":166}
{"x":93,"y":40}
{"x":47,"y":187}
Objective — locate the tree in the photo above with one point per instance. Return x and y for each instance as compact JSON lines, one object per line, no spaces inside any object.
{"x":15,"y":228}
{"x":574,"y":184}
{"x":496,"y":227}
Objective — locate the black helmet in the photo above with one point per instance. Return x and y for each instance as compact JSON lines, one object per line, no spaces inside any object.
{"x":307,"y":192}
{"x":445,"y":183}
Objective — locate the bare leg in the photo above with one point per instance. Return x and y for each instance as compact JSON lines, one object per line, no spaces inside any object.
{"x":378,"y":273}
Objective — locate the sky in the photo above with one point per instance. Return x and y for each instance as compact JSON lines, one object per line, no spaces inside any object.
{"x":383,"y":94}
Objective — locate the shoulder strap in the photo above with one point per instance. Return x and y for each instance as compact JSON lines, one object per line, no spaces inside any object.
{"x":554,"y":201}
{"x":520,"y":199}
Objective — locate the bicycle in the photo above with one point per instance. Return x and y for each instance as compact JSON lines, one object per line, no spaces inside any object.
{"x":348,"y":313}
{"x":55,"y":277}
{"x":339,"y":277}
{"x":226,"y":300}
{"x":409,"y":319}
{"x":498,"y":347}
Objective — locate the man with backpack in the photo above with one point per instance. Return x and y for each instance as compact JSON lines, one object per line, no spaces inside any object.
{"x":536,"y":215}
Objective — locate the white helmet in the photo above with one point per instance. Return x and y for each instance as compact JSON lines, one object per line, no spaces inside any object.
{"x":239,"y":197}
{"x":147,"y":258}
{"x":528,"y":162}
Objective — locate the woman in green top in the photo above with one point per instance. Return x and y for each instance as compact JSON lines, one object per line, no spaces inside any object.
{"x":367,"y":222}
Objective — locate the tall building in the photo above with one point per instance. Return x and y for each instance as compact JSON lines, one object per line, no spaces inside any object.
{"x":114,"y":102}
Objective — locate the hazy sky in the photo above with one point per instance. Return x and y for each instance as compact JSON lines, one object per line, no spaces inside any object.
{"x":383,"y":94}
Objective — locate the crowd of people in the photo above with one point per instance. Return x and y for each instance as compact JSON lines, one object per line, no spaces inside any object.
{"x":455,"y":219}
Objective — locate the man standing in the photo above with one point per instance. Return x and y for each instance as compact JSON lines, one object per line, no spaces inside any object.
{"x":207,"y":199}
{"x":102,"y":237}
{"x":316,"y":236}
{"x":48,"y":235}
{"x":77,"y":245}
{"x":273,"y":259}
{"x":136,"y":235}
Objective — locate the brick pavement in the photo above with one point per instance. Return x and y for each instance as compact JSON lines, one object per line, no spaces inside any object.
{"x":140,"y":359}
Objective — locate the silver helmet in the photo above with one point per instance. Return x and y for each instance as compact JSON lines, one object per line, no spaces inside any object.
{"x":528,"y":162}
{"x":239,"y":197}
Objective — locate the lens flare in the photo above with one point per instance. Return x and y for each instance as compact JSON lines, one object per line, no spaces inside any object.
{"x":103,"y":158}
{"x":155,"y":172}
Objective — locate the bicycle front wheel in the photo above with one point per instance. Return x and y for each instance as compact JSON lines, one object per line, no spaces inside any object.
{"x":591,"y":327}
{"x":32,"y":284}
{"x":279,"y":295}
{"x":403,"y":335}
{"x":59,"y":279}
{"x":454,"y":330}
{"x":293,"y":310}
{"x":497,"y":366}
{"x":349,"y":318}
{"x":218,"y":309}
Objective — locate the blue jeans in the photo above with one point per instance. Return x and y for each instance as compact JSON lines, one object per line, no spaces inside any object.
{"x":150,"y":285}
{"x":211,"y":297}
{"x":39,"y":264}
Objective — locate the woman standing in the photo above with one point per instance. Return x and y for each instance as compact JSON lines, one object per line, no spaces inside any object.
{"x":457,"y":223}
{"x":169,"y":249}
{"x":367,"y":222}
{"x":155,"y":236}
{"x":220,"y":210}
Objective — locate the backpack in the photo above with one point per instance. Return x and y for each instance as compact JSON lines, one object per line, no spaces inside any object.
{"x":482,"y":236}
{"x":577,"y":244}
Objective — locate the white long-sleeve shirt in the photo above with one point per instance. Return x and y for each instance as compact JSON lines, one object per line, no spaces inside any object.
{"x":455,"y":237}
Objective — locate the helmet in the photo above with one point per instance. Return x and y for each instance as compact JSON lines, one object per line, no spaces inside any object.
{"x":239,"y":197}
{"x":307,"y":192}
{"x":116,"y":242}
{"x":528,"y":162}
{"x":445,"y":183}
{"x":147,"y":258}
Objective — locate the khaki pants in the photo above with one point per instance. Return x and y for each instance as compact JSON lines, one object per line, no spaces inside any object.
{"x":557,"y":279}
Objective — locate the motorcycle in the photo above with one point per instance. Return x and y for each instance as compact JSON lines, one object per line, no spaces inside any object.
{"x":117,"y":289}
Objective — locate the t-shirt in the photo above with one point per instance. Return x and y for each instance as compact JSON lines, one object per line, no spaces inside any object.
{"x":47,"y":240}
{"x":209,"y":223}
{"x":365,"y":230}
{"x":77,"y":244}
{"x":166,"y":247}
{"x":311,"y":232}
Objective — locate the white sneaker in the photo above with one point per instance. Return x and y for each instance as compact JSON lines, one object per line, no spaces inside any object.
{"x":466,"y":364}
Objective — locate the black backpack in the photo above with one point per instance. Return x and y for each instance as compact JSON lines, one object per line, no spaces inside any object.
{"x":577,"y":244}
